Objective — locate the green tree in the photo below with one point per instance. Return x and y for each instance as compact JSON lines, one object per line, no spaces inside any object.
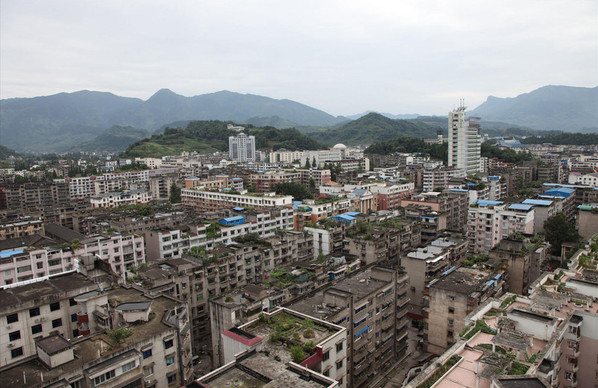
{"x":175,"y":193}
{"x":297,"y":190}
{"x":307,"y":164}
{"x":297,"y":354}
{"x":558,"y":231}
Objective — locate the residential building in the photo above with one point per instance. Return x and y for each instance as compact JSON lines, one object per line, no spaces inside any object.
{"x":464,"y":141}
{"x":372,"y":307}
{"x":21,"y":228}
{"x":209,"y":200}
{"x":490,"y":221}
{"x":438,"y":178}
{"x":116,"y":199}
{"x":587,"y":221}
{"x":242,"y":148}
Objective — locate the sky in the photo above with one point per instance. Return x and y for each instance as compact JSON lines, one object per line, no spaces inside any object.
{"x":343,"y":57}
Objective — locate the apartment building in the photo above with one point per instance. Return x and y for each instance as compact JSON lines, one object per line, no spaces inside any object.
{"x":159,"y":186}
{"x":21,"y":228}
{"x":116,"y":199}
{"x":497,"y":187}
{"x":543,"y":210}
{"x":372,"y":243}
{"x":285,"y":156}
{"x":242,"y":148}
{"x":256,"y":352}
{"x":523,"y":258}
{"x":464,"y":141}
{"x":372,"y":307}
{"x":264,"y":182}
{"x":432,"y":179}
{"x":389,"y":195}
{"x":171,"y":243}
{"x":317,"y":176}
{"x":209,"y":200}
{"x":35,"y":195}
{"x":154,"y":349}
{"x":311,"y":211}
{"x":452,"y":297}
{"x":20,"y":264}
{"x":489,"y":222}
{"x":587,"y":221}
{"x":453,"y":203}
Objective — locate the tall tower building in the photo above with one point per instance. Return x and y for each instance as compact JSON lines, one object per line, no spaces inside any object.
{"x":241,"y":148}
{"x":464,"y":141}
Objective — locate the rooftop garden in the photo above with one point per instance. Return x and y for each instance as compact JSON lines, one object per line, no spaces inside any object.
{"x":252,"y":239}
{"x":440,"y":371}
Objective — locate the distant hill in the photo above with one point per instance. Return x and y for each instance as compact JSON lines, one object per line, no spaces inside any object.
{"x":212,"y":136}
{"x":371,"y":128}
{"x":272,"y":121}
{"x":403,"y":116}
{"x":64,"y":120}
{"x":565,"y":108}
{"x":114,"y":139}
{"x":6,"y":152}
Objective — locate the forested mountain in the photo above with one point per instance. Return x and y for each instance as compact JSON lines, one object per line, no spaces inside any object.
{"x":114,"y":139}
{"x":373,"y":127}
{"x":61,"y":121}
{"x":212,"y":136}
{"x":566,"y":108}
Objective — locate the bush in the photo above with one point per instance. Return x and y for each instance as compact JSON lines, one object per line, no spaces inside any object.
{"x":297,"y":354}
{"x":309,"y":333}
{"x":118,"y":335}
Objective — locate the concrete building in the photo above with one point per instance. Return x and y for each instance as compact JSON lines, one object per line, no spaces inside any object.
{"x":241,"y":148}
{"x":451,"y":298}
{"x":587,"y":221}
{"x":489,"y":222}
{"x":35,"y":195}
{"x":154,"y":349}
{"x":159,"y":186}
{"x":21,"y":228}
{"x":433,"y":179}
{"x":453,"y":203}
{"x":464,"y":141}
{"x":209,"y":200}
{"x":543,"y":210}
{"x":116,"y":199}
{"x":372,"y":307}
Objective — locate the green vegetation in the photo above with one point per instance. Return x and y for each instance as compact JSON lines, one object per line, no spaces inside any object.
{"x":374,"y":126}
{"x":139,"y":209}
{"x":440,"y":371}
{"x":564,"y":138}
{"x":117,"y":336}
{"x":475,"y":259}
{"x":517,"y":368}
{"x":408,"y":144}
{"x":482,"y":326}
{"x":506,"y":155}
{"x":212,"y":136}
{"x":298,"y":191}
{"x":5,"y":152}
{"x":252,"y":239}
{"x":507,"y":302}
{"x":114,"y":139}
{"x":175,"y":193}
{"x":297,"y":354}
{"x":558,"y":231}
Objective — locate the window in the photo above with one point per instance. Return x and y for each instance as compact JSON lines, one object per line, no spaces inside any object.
{"x":75,"y":333}
{"x":34,"y":312}
{"x":73,"y":317}
{"x":40,"y":265}
{"x":104,"y":377}
{"x":326,"y":373}
{"x":169,"y":360}
{"x":339,"y":347}
{"x":57,"y":322}
{"x":18,"y":352}
{"x":452,"y":298}
{"x":172,"y":378}
{"x":451,"y":310}
{"x":54,"y":306}
{"x":12,"y":318}
{"x":36,"y":329}
{"x":450,"y":322}
{"x":128,"y":366}
{"x":326,"y":356}
{"x":72,"y":302}
{"x":147,"y":353}
{"x":168,"y":344}
{"x":15,"y":335}
{"x":148,"y":370}
{"x":339,"y":364}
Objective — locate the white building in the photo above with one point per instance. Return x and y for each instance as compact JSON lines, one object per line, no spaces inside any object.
{"x":464,"y":141}
{"x":241,"y":148}
{"x":116,"y":199}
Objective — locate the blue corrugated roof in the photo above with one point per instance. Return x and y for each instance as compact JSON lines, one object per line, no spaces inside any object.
{"x":483,"y":202}
{"x":233,"y":218}
{"x":537,"y":202}
{"x":520,"y":206}
{"x":352,"y":213}
{"x":238,"y":208}
{"x":428,"y":217}
{"x":343,"y":217}
{"x":562,"y":191}
{"x":5,"y":254}
{"x":459,"y":190}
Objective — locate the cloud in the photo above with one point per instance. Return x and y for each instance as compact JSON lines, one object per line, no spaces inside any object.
{"x":339,"y":56}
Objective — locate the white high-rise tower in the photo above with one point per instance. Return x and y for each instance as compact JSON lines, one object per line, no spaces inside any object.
{"x":241,"y":148}
{"x":464,"y":141}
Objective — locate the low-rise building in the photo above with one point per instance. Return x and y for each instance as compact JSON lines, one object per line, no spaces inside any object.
{"x":211,"y":200}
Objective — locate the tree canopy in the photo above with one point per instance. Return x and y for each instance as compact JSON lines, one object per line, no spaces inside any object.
{"x":297,"y":190}
{"x":558,"y":231}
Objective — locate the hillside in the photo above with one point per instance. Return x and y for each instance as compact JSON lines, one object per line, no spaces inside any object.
{"x":114,"y":139}
{"x":373,"y":127}
{"x":6,"y":152}
{"x":212,"y":136}
{"x":64,"y":120}
{"x":566,"y":108}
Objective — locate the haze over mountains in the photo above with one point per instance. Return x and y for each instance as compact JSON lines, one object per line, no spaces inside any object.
{"x":88,"y":120}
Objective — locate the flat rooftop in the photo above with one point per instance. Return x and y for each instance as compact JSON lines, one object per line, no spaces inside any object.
{"x":464,"y":281}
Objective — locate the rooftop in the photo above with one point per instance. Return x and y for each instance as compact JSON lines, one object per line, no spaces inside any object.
{"x":464,"y":281}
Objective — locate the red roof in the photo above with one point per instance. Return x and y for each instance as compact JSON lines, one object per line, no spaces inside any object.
{"x":241,"y":339}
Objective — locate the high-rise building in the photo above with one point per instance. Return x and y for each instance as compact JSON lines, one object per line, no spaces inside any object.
{"x":464,"y":141}
{"x":241,"y":148}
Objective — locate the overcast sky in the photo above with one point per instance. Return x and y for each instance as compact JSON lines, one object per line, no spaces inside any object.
{"x":343,"y":57}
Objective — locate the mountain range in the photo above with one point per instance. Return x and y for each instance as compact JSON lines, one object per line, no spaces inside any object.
{"x":90,"y":120}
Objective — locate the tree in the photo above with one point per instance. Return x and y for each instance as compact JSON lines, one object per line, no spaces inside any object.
{"x":297,"y":190}
{"x":307,"y":164}
{"x":297,"y":354}
{"x":175,"y":193}
{"x":312,"y":184}
{"x":314,"y":164}
{"x":558,"y":231}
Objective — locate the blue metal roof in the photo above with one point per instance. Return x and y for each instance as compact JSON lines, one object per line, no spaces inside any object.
{"x":520,"y":206}
{"x":343,"y":217}
{"x":562,"y":191}
{"x":238,"y":208}
{"x":537,"y":202}
{"x":233,"y":219}
{"x":362,"y":331}
{"x":483,"y":202}
{"x":428,"y":217}
{"x":5,"y":254}
{"x":460,"y":190}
